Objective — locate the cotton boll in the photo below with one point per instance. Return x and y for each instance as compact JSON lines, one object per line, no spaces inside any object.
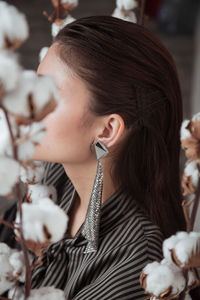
{"x":181,"y":235}
{"x":16,"y":102}
{"x":191,"y":170}
{"x":4,"y":249}
{"x":25,"y":150}
{"x":9,"y":70}
{"x":57,"y":26}
{"x":6,"y":282}
{"x":44,"y":90}
{"x":39,"y":221}
{"x":32,"y":173}
{"x":126,"y":4}
{"x":171,"y":242}
{"x":35,"y":131}
{"x":70,"y":2}
{"x":163,"y":278}
{"x":31,"y":98}
{"x":185,"y":249}
{"x":194,"y":234}
{"x":9,"y":174}
{"x":196,"y":117}
{"x":46,"y":293}
{"x":185,"y":133}
{"x":128,"y":16}
{"x":150,"y":267}
{"x":43,"y":53}
{"x":17,"y":262}
{"x":30,"y":136}
{"x":39,"y":191}
{"x":195,"y":127}
{"x":5,"y":265}
{"x":181,"y":248}
{"x":13,"y":26}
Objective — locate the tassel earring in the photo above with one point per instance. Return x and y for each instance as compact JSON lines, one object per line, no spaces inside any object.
{"x":91,"y":226}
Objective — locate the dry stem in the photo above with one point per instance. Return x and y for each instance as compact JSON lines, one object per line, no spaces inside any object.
{"x":196,"y":204}
{"x":142,"y":8}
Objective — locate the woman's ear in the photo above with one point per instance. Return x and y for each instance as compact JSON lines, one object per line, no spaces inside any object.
{"x":111,"y":130}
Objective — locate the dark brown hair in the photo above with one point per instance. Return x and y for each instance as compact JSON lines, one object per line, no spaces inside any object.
{"x":129,"y":72}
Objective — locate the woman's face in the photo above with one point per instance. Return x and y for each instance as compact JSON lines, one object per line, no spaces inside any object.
{"x":70,"y":127}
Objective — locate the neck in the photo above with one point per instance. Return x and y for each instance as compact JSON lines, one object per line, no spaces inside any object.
{"x":82,"y":177}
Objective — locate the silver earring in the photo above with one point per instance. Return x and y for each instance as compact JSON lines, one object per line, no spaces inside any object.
{"x":91,"y":226}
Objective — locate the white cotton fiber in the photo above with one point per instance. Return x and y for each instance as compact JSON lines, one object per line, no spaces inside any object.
{"x":184,"y":245}
{"x":196,"y":117}
{"x":9,"y":174}
{"x":13,"y":25}
{"x":126,"y":4}
{"x":185,"y":133}
{"x":30,"y":136}
{"x":6,"y":282}
{"x":191,"y":170}
{"x":55,"y":28}
{"x":44,"y":214}
{"x":16,"y":260}
{"x":40,"y":191}
{"x":9,"y":70}
{"x":160,"y":276}
{"x":70,"y":2}
{"x":43,"y":53}
{"x":185,"y":248}
{"x":129,"y":16}
{"x":41,"y":88}
{"x":32,"y":173}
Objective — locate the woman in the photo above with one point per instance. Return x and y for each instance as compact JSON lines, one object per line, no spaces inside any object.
{"x":119,"y":92}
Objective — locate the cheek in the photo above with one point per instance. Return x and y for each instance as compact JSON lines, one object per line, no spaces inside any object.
{"x":63,"y":123}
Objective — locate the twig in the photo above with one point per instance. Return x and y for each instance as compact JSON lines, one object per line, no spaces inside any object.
{"x":196,"y":204}
{"x":142,"y":8}
{"x":58,"y":10}
{"x":186,"y":206}
{"x":10,"y":130}
{"x":16,"y":287}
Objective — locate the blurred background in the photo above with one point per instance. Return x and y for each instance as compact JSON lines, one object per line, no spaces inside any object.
{"x":175,"y":22}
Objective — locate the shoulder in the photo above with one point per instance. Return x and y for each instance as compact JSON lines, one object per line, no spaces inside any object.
{"x":134,"y":233}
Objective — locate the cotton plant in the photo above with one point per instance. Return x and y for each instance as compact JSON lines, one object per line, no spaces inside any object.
{"x":190,"y":141}
{"x":25,"y":100}
{"x":59,"y":18}
{"x":177,"y":273}
{"x":124,"y":10}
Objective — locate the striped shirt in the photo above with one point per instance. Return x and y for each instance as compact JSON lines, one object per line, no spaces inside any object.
{"x":127,"y":242}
